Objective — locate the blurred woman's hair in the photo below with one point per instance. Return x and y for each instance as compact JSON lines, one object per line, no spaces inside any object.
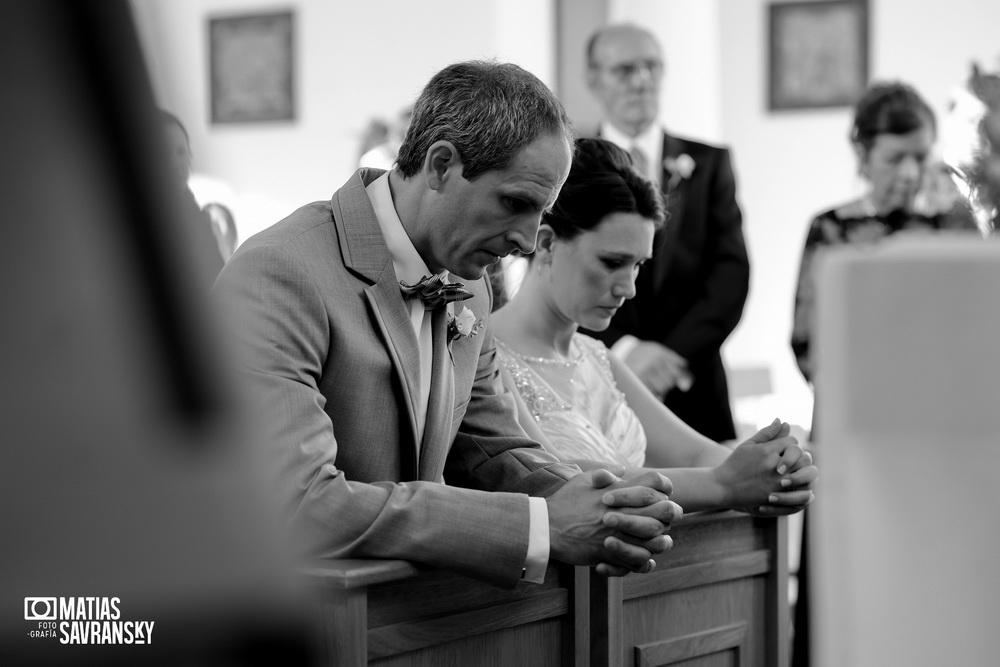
{"x":889,"y":108}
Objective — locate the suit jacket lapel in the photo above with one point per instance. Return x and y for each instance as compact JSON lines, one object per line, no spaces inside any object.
{"x":440,"y":403}
{"x":365,"y":253}
{"x":401,"y":344}
{"x":675,"y":200}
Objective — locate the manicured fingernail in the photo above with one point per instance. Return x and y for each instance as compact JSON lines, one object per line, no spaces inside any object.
{"x":772,"y":498}
{"x":785,"y":483}
{"x":610,"y":520}
{"x":608,"y":499}
{"x":782,"y":468}
{"x":652,"y":565}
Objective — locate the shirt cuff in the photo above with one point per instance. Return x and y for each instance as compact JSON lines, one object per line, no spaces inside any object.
{"x":624,"y":346}
{"x":538,"y":541}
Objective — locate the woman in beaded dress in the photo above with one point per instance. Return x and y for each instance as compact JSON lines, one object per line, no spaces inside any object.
{"x":583,"y":404}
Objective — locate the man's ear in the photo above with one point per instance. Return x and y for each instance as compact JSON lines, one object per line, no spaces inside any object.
{"x":592,"y":74}
{"x":442,"y":163}
{"x":545,"y":242}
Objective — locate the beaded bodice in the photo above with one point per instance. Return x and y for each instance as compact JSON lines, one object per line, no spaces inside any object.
{"x":576,"y":403}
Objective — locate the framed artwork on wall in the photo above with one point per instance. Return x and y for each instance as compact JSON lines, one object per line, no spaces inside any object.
{"x":251,"y":68}
{"x":818,"y":53}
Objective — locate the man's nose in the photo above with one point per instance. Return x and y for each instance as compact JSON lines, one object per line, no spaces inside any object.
{"x":523,"y":235}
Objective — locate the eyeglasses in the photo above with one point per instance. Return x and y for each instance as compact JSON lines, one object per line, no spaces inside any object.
{"x":625,"y":71}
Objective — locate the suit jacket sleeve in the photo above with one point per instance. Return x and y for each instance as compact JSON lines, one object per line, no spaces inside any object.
{"x":726,"y":271}
{"x":281,"y":323}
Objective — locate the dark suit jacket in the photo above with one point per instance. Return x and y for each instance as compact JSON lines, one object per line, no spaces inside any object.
{"x":333,"y":362}
{"x":691,"y":295}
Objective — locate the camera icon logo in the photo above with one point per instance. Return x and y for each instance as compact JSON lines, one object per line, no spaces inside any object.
{"x":40,"y":609}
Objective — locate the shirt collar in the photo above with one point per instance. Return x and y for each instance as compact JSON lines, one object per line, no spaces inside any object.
{"x":406,"y":261}
{"x":650,"y":142}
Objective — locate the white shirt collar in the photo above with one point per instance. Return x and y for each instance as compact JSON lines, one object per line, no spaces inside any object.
{"x":406,"y":261}
{"x":650,"y":142}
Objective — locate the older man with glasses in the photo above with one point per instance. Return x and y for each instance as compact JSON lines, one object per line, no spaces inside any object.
{"x":691,"y":295}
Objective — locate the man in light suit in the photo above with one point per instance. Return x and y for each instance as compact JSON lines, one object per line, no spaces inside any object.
{"x":690,"y":297}
{"x":385,"y":417}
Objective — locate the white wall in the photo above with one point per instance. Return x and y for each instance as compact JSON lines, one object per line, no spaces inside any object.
{"x":789,"y":165}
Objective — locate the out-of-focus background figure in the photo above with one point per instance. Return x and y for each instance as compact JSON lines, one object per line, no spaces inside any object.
{"x":375,"y":134}
{"x":380,"y":142}
{"x":223,"y":228}
{"x":199,"y":221}
{"x":893,"y":137}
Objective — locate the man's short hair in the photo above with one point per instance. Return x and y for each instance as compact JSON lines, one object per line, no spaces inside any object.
{"x":489,"y":111}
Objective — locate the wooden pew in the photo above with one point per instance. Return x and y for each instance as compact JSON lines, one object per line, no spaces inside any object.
{"x":722,"y":589}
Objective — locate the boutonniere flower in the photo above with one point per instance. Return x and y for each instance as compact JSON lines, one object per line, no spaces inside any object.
{"x":463,"y":325}
{"x":680,"y":168}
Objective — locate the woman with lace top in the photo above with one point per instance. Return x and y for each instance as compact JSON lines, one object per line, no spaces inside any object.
{"x":581,"y":402}
{"x":893,"y":137}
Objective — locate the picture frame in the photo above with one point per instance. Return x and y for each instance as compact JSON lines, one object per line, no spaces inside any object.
{"x":252,"y":68}
{"x":818,"y":53}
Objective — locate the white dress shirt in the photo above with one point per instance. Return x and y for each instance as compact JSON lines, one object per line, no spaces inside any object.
{"x":650,"y":142}
{"x":410,"y":268}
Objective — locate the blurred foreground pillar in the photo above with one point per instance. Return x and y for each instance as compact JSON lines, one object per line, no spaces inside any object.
{"x":133,"y":525}
{"x":906,"y":526}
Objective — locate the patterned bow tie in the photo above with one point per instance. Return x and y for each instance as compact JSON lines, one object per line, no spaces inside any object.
{"x":434,"y":291}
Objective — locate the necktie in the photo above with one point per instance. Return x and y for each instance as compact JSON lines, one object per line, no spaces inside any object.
{"x":434,"y":291}
{"x":639,"y":161}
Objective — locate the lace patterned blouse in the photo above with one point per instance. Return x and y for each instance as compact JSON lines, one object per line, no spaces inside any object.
{"x":850,"y":225}
{"x":576,"y":403}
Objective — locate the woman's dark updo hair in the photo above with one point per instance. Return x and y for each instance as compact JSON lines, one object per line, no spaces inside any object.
{"x":602,"y":181}
{"x":889,"y":108}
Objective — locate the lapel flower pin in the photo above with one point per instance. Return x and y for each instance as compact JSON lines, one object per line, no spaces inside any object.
{"x":680,"y":168}
{"x":463,"y":325}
